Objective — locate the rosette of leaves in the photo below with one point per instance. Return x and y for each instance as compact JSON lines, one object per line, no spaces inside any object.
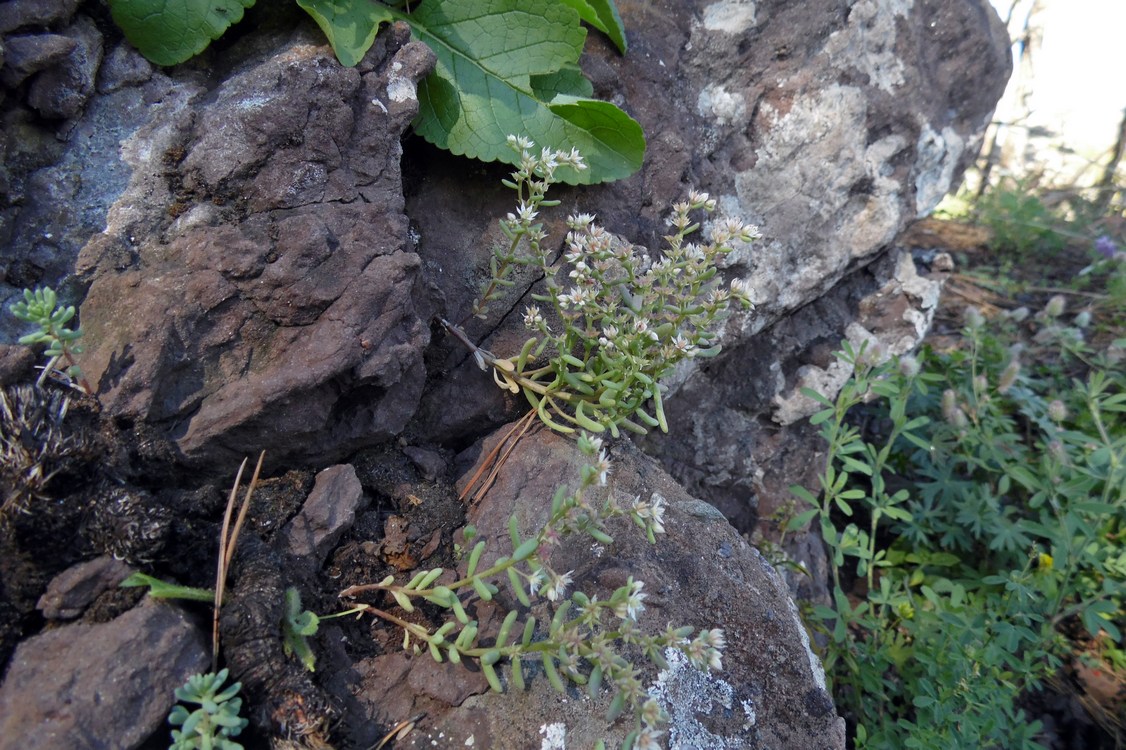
{"x":503,"y":66}
{"x":214,"y":722}
{"x":626,"y":320}
{"x":42,"y":308}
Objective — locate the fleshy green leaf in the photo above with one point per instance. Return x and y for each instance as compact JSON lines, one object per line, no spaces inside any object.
{"x":602,"y":15}
{"x":350,"y":25}
{"x":170,"y":31}
{"x":482,"y":88}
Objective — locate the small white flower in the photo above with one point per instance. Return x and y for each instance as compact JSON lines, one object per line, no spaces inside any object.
{"x":559,"y":584}
{"x":652,"y":714}
{"x":576,"y":297}
{"x":715,"y":638}
{"x":579,"y":222}
{"x":657,"y":513}
{"x":532,"y":317}
{"x":648,"y":739}
{"x":634,"y":602}
{"x":750,"y":233}
{"x":535,"y":580}
{"x":602,"y":466}
{"x":580,"y":271}
{"x":697,"y":198}
{"x":741,"y":290}
{"x":525,"y":213}
{"x":641,"y":327}
{"x":683,"y":346}
{"x":521,"y":142}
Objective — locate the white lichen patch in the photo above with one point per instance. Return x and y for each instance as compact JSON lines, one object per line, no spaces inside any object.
{"x":868,"y":42}
{"x":399,"y":87}
{"x":815,"y":666}
{"x":730,"y":16}
{"x":554,"y":737}
{"x":793,"y":405}
{"x":687,"y":693}
{"x":717,"y":103}
{"x":938,"y":156}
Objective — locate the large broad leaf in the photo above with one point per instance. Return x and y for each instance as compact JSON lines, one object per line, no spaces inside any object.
{"x":170,"y":31}
{"x":350,"y":25}
{"x":602,"y":15}
{"x":489,"y":54}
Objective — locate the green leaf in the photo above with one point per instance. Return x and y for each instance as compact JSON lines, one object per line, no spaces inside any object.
{"x":481,"y":90}
{"x":170,"y":31}
{"x":801,"y":519}
{"x":602,"y":15}
{"x":567,"y":81}
{"x":159,"y":589}
{"x":349,"y":25}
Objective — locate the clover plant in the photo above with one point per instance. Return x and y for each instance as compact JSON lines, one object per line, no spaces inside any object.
{"x":214,"y":722}
{"x":983,"y":521}
{"x":615,"y":321}
{"x":502,"y":66}
{"x":297,"y":625}
{"x":588,"y":642}
{"x":41,"y":308}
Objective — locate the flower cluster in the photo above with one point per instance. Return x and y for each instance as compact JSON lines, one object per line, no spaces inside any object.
{"x":536,"y":173}
{"x":588,"y":641}
{"x":613,"y":321}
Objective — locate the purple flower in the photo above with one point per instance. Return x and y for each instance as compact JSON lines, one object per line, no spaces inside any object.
{"x":1105,"y":247}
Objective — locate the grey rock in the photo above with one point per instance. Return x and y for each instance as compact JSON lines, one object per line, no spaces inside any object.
{"x":747,"y":439}
{"x":770,"y":693}
{"x":430,"y":464}
{"x":28,"y":54}
{"x":830,"y":125}
{"x":261,"y":245}
{"x":70,"y":592}
{"x":326,"y":515}
{"x":60,"y":683}
{"x":19,"y":14}
{"x":63,"y":90}
{"x":15,"y":364}
{"x":123,"y":66}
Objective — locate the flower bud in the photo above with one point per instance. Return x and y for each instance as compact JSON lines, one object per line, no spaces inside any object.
{"x":1057,"y":412}
{"x":1008,"y":376}
{"x":1083,"y":319}
{"x":908,"y":366}
{"x":973,"y":317}
{"x":1055,"y":307}
{"x":949,"y":404}
{"x":1018,"y":315}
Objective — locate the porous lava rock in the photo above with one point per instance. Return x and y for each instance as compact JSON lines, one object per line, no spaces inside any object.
{"x":105,"y":685}
{"x":253,"y":287}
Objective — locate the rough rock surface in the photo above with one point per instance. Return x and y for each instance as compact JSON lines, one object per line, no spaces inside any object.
{"x":261,"y":248}
{"x":328,"y":512}
{"x":746,"y":414}
{"x":257,"y":228}
{"x":260,"y":272}
{"x":829,"y":124}
{"x":70,"y":592}
{"x":132,"y":664}
{"x":770,"y":694}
